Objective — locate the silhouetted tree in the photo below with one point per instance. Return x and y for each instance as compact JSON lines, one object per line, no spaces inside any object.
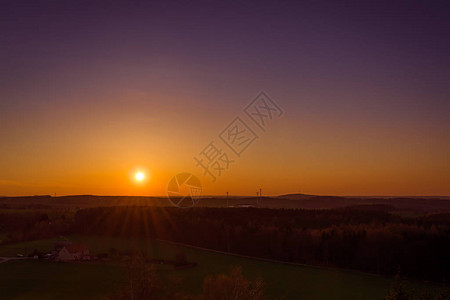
{"x":141,"y":282}
{"x":232,"y":286}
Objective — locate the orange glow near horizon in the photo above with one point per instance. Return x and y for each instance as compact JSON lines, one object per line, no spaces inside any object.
{"x":100,"y":152}
{"x":89,"y":98}
{"x":358,"y":158}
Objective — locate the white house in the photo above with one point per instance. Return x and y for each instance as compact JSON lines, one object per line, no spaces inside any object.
{"x":73,"y":252}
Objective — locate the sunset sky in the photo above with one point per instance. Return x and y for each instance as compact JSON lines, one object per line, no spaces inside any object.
{"x":91,"y":94}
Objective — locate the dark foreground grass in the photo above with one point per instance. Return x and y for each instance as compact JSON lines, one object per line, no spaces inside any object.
{"x":40,"y":280}
{"x":45,"y":280}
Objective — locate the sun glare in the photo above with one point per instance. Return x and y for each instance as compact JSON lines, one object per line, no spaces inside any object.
{"x":140,"y":176}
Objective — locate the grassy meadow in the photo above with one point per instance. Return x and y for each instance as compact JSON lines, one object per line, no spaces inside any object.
{"x":48,"y":280}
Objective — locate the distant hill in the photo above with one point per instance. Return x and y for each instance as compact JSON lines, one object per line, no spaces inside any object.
{"x":422,"y":204}
{"x":296,"y":196}
{"x":291,"y":201}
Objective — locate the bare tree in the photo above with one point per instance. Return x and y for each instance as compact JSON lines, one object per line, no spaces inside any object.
{"x":232,"y":286}
{"x":141,"y":282}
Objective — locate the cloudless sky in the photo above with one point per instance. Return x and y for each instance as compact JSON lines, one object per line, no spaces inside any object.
{"x":93,"y":91}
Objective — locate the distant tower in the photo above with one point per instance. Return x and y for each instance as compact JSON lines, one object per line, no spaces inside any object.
{"x":227,"y":200}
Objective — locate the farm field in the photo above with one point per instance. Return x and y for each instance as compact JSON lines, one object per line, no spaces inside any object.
{"x":47,"y":280}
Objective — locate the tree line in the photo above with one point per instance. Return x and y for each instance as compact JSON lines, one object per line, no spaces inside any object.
{"x":371,"y":241}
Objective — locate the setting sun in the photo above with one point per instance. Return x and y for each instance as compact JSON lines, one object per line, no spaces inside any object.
{"x":140,"y":176}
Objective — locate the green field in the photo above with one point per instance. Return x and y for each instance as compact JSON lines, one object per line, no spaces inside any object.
{"x":46,"y":280}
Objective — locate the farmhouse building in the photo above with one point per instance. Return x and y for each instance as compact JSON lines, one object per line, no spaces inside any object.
{"x":73,"y":252}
